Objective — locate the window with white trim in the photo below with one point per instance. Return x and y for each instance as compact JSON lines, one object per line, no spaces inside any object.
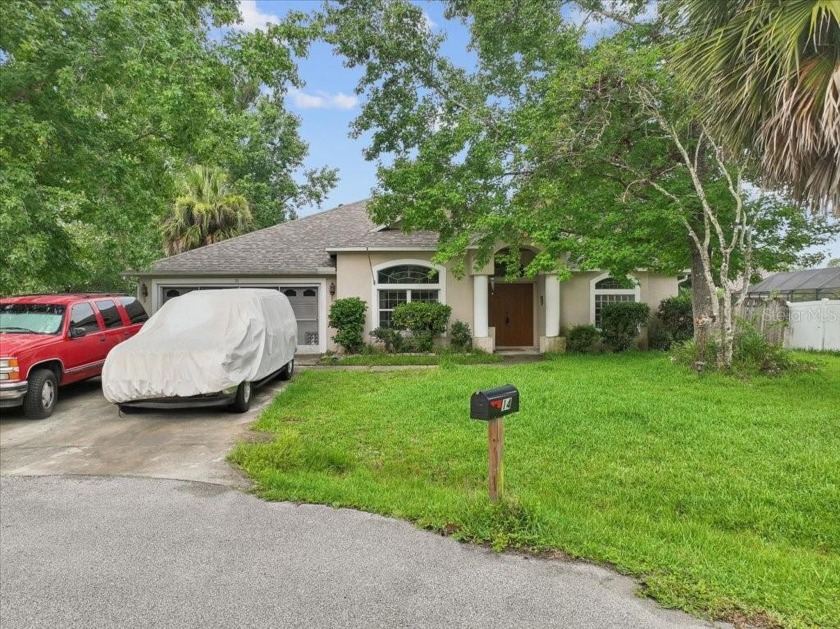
{"x":609,"y":291}
{"x":403,"y":283}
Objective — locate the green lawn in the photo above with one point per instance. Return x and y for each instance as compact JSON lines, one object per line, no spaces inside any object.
{"x":721,"y":495}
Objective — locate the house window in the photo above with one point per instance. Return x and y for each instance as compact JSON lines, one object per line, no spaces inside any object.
{"x":608,"y":290}
{"x":404,"y":283}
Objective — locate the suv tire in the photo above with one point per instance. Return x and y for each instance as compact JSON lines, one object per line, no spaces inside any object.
{"x":288,"y":370}
{"x":41,"y":395}
{"x":242,"y":401}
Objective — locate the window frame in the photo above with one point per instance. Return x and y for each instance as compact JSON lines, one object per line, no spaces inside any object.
{"x":94,"y":312}
{"x":116,"y":323}
{"x":440,"y":286}
{"x":127,"y":301}
{"x":593,"y":292}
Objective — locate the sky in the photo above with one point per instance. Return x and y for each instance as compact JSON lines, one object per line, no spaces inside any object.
{"x":327,"y":104}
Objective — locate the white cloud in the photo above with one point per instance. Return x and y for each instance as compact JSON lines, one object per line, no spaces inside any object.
{"x":344,"y":101}
{"x":253,"y":18}
{"x":322,"y":100}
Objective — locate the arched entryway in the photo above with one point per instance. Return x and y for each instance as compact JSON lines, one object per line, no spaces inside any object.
{"x":511,"y":303}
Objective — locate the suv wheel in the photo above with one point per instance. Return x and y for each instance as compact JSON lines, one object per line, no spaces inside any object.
{"x":242,"y":402}
{"x":41,"y":395}
{"x":288,"y":370}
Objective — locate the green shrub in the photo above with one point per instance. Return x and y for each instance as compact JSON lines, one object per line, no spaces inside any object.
{"x":620,"y":323}
{"x":347,"y":317}
{"x":460,"y":337}
{"x":583,"y":339}
{"x":421,"y":316}
{"x":752,"y":353}
{"x":674,"y":322}
{"x":659,"y":337}
{"x":422,"y":341}
{"x":392,"y":339}
{"x":424,"y":320}
{"x":694,"y":355}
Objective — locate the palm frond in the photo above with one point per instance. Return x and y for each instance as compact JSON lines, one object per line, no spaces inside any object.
{"x":772,"y":70}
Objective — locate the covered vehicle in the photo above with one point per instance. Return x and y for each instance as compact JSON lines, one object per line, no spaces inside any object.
{"x":208,"y":347}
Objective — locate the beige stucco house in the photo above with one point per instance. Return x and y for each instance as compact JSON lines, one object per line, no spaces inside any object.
{"x":342,"y":253}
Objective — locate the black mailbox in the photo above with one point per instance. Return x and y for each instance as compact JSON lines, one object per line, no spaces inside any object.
{"x":494,"y":403}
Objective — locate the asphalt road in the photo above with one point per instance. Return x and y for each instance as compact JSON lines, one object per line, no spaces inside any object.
{"x":138,"y":552}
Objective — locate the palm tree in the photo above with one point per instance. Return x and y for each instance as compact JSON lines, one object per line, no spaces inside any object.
{"x":204,"y":212}
{"x":772,"y":71}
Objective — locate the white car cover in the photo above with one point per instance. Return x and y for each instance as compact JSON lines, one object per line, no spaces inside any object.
{"x":202,"y":343}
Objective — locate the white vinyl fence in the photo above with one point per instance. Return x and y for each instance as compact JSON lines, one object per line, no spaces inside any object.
{"x":814,"y":324}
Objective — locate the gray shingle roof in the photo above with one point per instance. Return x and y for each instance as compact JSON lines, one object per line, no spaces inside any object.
{"x":807,"y":280}
{"x":298,"y":247}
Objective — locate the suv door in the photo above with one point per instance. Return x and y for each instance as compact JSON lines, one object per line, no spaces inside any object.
{"x":84,"y":354}
{"x":115,"y":330}
{"x":134,"y":315}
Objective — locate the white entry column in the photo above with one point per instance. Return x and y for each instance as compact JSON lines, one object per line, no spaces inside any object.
{"x":551,"y":341}
{"x":552,"y":305}
{"x":480,"y":305}
{"x":481,"y":328}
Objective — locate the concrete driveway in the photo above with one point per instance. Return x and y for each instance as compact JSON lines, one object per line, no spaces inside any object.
{"x":87,"y":435}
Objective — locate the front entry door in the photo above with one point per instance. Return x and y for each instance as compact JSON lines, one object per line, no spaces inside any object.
{"x":512,"y":314}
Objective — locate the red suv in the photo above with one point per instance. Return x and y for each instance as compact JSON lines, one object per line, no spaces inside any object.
{"x":48,"y":340}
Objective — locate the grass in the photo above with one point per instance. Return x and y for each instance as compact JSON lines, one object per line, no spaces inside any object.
{"x":721,"y":495}
{"x":442,"y":358}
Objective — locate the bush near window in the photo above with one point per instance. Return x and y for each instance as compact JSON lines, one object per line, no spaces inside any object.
{"x":460,"y":337}
{"x":424,"y":320}
{"x":583,"y":339}
{"x":620,"y":323}
{"x":347,"y":318}
{"x":392,"y":339}
{"x":673,"y":323}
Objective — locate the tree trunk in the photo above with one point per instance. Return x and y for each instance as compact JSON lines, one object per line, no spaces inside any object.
{"x":701,"y":298}
{"x":727,"y":332}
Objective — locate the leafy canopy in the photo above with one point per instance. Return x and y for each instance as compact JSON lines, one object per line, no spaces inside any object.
{"x":543,"y":141}
{"x":104,"y":103}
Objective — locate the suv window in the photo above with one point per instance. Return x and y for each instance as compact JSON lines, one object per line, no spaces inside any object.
{"x":82,"y":317}
{"x":110,"y":314}
{"x":31,"y":318}
{"x":134,"y":309}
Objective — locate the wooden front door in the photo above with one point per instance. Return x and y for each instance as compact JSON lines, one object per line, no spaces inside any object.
{"x":512,"y":314}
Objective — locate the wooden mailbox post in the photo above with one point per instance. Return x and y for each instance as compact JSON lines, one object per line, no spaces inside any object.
{"x":492,"y":405}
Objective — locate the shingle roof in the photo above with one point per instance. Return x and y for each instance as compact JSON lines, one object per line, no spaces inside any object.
{"x":807,"y":280}
{"x":300,"y":246}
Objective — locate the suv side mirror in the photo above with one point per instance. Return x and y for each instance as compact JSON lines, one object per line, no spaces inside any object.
{"x":77,"y":332}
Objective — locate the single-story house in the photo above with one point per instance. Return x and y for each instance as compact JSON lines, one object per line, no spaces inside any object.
{"x":342,"y":253}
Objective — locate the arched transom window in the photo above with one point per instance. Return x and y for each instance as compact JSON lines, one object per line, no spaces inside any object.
{"x":401,"y":283}
{"x":607,"y":290}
